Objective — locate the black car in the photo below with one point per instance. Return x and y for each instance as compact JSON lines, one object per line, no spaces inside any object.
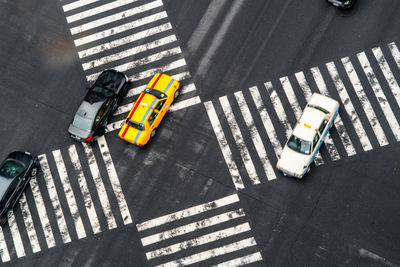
{"x":15,"y":172}
{"x":344,"y":4}
{"x":100,"y":102}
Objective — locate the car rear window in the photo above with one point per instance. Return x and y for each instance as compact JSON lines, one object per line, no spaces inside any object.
{"x":82,"y":123}
{"x":135,"y":124}
{"x":155,"y":93}
{"x":319,"y":108}
{"x":299,"y":145}
{"x":11,"y":169}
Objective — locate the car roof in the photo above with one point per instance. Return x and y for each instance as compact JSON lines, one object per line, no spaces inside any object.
{"x":143,"y":110}
{"x":309,"y":122}
{"x":110,"y":79}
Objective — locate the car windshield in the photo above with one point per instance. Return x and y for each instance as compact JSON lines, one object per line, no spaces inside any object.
{"x":319,"y":108}
{"x":299,"y":145}
{"x":154,"y":92}
{"x":100,"y":91}
{"x":11,"y":168}
{"x":135,"y":125}
{"x":82,"y":123}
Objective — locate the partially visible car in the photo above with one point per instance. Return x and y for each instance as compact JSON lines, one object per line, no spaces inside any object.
{"x":15,"y":173}
{"x":307,"y":136}
{"x":344,"y":4}
{"x":100,"y":102}
{"x":149,"y":109}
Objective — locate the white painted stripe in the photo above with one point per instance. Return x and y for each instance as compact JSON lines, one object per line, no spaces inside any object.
{"x":201,"y":240}
{"x":237,"y":135}
{"x":301,"y":79}
{"x":101,"y":190}
{"x":288,"y":89}
{"x":16,"y":236}
{"x":125,"y":27}
{"x":98,"y":10}
{"x":242,"y":260}
{"x":112,"y":175}
{"x":188,"y":88}
{"x":5,"y":256}
{"x":223,"y":144}
{"x":245,"y":243}
{"x":69,"y":194}
{"x":348,"y":105}
{"x":76,"y":4}
{"x":184,"y":229}
{"x":255,"y":137}
{"x":54,"y":199}
{"x":269,"y":127}
{"x":140,"y":62}
{"x":114,"y":126}
{"x":380,"y":95}
{"x":41,"y":209}
{"x":91,"y":211}
{"x":115,"y":17}
{"x":395,"y":53}
{"x":30,"y":228}
{"x":221,"y":202}
{"x":369,"y":111}
{"x":344,"y":136}
{"x":185,"y":103}
{"x":391,"y":80}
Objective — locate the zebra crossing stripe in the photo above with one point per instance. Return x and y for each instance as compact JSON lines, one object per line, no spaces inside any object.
{"x":44,"y":220}
{"x":373,"y":120}
{"x":125,"y":27}
{"x":5,"y":256}
{"x":201,"y":240}
{"x":255,"y":137}
{"x":301,"y":79}
{"x":115,"y":17}
{"x":184,"y":229}
{"x":90,"y":210}
{"x":344,"y":136}
{"x":223,"y":144}
{"x":349,"y":106}
{"x":188,"y":88}
{"x":77,"y":4}
{"x":112,"y":174}
{"x":242,"y":260}
{"x":16,"y":236}
{"x":54,"y":199}
{"x":380,"y":96}
{"x":30,"y":228}
{"x":395,"y":53}
{"x":237,"y":135}
{"x":101,"y":190}
{"x":242,"y":244}
{"x":98,"y":10}
{"x":215,"y":204}
{"x":185,"y":103}
{"x":266,"y":120}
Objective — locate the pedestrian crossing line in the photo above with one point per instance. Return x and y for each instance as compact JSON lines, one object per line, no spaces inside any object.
{"x":223,"y":144}
{"x":395,"y":53}
{"x":294,"y":103}
{"x":115,"y":17}
{"x":77,"y":4}
{"x":16,"y":236}
{"x":365,"y":143}
{"x":112,"y":174}
{"x":54,"y":199}
{"x":44,"y":220}
{"x":373,"y":120}
{"x":380,"y":95}
{"x":301,"y":79}
{"x":344,"y":136}
{"x":5,"y":256}
{"x":242,"y":260}
{"x":69,"y":194}
{"x":30,"y":228}
{"x":90,"y":210}
{"x":255,"y":137}
{"x":101,"y":190}
{"x":237,"y":135}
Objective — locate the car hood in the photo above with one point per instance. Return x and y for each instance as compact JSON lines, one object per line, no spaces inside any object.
{"x":293,"y":161}
{"x":78,"y":132}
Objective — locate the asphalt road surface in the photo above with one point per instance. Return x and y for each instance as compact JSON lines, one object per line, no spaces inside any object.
{"x":205,"y":190}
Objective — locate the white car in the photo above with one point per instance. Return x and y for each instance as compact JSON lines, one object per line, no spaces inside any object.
{"x":307,"y":136}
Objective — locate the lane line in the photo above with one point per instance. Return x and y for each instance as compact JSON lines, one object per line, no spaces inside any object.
{"x":16,"y":236}
{"x":5,"y":256}
{"x":255,"y":137}
{"x":29,"y":226}
{"x":242,"y":260}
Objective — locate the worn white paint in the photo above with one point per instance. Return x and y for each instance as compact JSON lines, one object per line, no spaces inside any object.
{"x":15,"y":234}
{"x":5,"y":256}
{"x":241,"y":260}
{"x":395,"y":53}
{"x":77,"y":4}
{"x":29,"y":226}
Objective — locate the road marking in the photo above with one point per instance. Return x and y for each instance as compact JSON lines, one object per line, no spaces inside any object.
{"x":349,"y":106}
{"x":90,"y":210}
{"x":242,"y":260}
{"x":77,"y":4}
{"x":395,"y":53}
{"x":54,"y":199}
{"x":223,"y":144}
{"x":344,"y":136}
{"x":255,"y":137}
{"x":185,"y":103}
{"x":380,"y":96}
{"x":101,"y":190}
{"x":5,"y":256}
{"x":29,"y":226}
{"x":369,"y":111}
{"x":16,"y":236}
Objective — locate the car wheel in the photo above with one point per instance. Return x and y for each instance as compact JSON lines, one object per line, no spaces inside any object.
{"x":153,"y":133}
{"x":33,"y":171}
{"x":177,"y":93}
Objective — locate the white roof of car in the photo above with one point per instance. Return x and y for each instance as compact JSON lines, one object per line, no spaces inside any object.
{"x":309,"y":123}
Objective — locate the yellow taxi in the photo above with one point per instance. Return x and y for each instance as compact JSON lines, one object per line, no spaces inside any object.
{"x":149,"y":109}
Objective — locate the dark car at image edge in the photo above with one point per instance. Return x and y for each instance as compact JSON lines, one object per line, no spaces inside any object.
{"x":343,"y":4}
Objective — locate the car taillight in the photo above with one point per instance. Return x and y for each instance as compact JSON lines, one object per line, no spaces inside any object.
{"x":88,"y":139}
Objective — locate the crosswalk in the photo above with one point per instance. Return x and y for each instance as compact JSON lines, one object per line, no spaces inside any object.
{"x":249,"y":124}
{"x":68,"y":200}
{"x":132,"y":36}
{"x":206,"y":234}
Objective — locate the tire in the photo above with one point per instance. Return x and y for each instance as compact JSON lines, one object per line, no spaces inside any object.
{"x":153,"y":133}
{"x":34,"y":171}
{"x":177,"y":93}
